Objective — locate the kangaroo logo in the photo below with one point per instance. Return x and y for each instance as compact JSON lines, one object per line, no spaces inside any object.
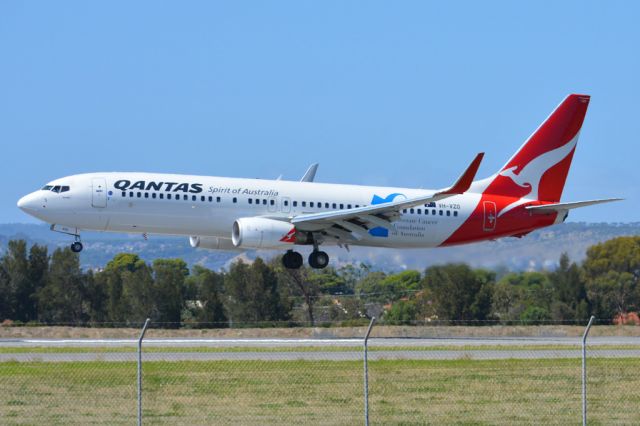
{"x":531,"y":174}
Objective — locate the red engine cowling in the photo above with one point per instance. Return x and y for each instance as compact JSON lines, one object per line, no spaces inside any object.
{"x":260,"y":232}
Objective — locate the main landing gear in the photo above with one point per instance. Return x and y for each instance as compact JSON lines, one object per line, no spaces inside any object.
{"x":317,"y":259}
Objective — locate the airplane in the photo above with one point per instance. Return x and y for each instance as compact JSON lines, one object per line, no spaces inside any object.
{"x":240,"y":214}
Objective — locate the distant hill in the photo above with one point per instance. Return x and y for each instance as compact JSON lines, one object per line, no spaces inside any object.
{"x":538,"y":250}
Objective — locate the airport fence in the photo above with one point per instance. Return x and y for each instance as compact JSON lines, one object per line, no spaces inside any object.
{"x":401,"y":375}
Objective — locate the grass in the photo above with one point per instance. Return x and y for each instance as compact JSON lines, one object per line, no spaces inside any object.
{"x":325,"y":392}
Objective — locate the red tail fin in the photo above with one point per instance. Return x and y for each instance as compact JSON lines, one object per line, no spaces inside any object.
{"x":539,"y":169}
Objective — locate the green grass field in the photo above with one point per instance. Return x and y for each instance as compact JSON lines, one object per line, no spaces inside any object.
{"x":320,"y":392}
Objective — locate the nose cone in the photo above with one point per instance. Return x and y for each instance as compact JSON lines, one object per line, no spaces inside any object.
{"x":29,"y":203}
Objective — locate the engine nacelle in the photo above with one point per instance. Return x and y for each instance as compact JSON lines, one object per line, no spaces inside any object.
{"x":213,"y":243}
{"x":260,"y":232}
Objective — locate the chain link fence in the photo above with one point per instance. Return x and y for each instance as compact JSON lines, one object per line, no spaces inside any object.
{"x":416,"y":375}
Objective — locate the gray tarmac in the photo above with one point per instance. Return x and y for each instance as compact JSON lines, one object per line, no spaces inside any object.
{"x":314,"y":356}
{"x":377,"y":349}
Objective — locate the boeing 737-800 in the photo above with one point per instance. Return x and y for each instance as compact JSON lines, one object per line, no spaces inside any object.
{"x":239,"y":214}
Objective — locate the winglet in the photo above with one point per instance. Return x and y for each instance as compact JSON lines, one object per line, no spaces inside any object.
{"x":310,"y":175}
{"x":464,"y":182}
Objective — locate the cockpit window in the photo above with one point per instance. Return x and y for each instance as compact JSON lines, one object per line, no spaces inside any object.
{"x":56,"y":189}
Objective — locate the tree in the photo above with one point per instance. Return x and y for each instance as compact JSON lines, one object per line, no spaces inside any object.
{"x":17,"y":289}
{"x":459,"y":293}
{"x":37,"y":270}
{"x":169,"y":286}
{"x":611,"y":272}
{"x":401,"y":312}
{"x":253,"y":294}
{"x":110,"y":283}
{"x":208,"y":287}
{"x":299,"y":284}
{"x":570,"y":293}
{"x":61,"y":299}
{"x":138,"y":294}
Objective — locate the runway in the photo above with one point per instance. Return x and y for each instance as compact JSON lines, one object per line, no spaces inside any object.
{"x":294,"y":349}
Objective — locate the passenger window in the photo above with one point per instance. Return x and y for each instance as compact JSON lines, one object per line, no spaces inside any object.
{"x":202,"y":198}
{"x":210,"y":199}
{"x":131,"y":194}
{"x":235,"y":200}
{"x":286,"y":203}
{"x":193,"y":197}
{"x":218,"y":199}
{"x":404,"y":210}
{"x":124,"y":194}
{"x":304,"y":204}
{"x":440,"y":213}
{"x":139,"y":194}
{"x":168,"y":196}
{"x":455,"y":213}
{"x":326,"y":205}
{"x":411,"y":211}
{"x":146,"y":195}
{"x":419,"y":211}
{"x":264,"y":202}
{"x":310,"y":203}
{"x":348,"y":206}
{"x":272,"y":202}
{"x":334,"y":206}
{"x":250,"y":200}
{"x":448,"y":212}
{"x":295,"y":204}
{"x":357,"y":206}
{"x":341,"y":206}
{"x":153,"y":195}
{"x":161,"y":196}
{"x":433,"y":212}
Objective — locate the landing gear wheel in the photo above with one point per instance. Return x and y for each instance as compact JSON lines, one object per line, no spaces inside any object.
{"x":292,"y":260}
{"x":318,"y":259}
{"x":76,"y":247}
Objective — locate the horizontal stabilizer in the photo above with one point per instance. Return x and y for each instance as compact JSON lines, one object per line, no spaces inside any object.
{"x":557,"y":207}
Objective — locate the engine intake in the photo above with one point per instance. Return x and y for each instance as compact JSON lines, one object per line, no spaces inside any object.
{"x":260,"y":232}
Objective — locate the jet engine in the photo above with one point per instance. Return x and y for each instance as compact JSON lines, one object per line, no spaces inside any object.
{"x":213,"y":243}
{"x":260,"y":232}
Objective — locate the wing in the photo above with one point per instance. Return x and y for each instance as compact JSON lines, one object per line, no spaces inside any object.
{"x":559,"y":207}
{"x":354,"y":223}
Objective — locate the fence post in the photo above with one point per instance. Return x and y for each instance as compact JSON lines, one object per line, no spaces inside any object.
{"x":584,"y":371}
{"x":366,"y":373}
{"x":144,"y":330}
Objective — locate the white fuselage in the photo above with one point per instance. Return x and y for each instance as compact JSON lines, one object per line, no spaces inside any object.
{"x":208,"y":206}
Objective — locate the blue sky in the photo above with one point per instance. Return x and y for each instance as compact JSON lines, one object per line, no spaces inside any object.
{"x":391,"y":93}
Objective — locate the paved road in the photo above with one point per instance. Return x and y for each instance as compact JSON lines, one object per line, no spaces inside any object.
{"x":289,"y":342}
{"x":314,"y":356}
{"x":378,"y":349}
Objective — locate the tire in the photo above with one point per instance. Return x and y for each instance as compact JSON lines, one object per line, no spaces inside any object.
{"x":292,"y":260}
{"x":318,"y":259}
{"x":76,"y":247}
